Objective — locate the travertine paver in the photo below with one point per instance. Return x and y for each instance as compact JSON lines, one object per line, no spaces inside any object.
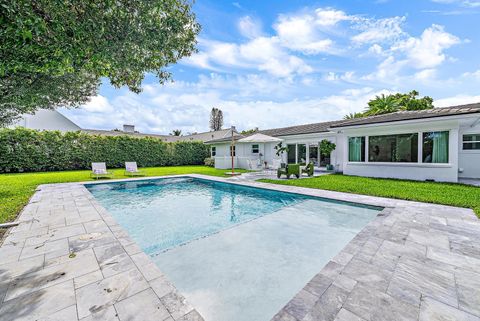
{"x":68,"y":259}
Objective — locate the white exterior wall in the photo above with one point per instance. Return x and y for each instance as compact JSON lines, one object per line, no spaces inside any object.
{"x":468,"y":160}
{"x":46,"y":120}
{"x":414,"y":171}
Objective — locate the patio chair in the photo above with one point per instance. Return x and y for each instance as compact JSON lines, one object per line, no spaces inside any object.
{"x":289,"y":170}
{"x":99,"y":170}
{"x":253,"y":165}
{"x":131,"y":169}
{"x":308,"y":169}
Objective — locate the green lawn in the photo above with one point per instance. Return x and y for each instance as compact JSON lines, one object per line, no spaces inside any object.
{"x":438,"y":193}
{"x":16,"y":189}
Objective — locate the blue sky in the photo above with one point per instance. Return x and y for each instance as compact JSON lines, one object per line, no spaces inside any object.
{"x":280,"y":63}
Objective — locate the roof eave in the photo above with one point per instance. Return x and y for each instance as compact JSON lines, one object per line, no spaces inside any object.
{"x":402,"y":121}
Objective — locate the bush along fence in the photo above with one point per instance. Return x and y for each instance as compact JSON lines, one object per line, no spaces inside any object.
{"x":25,"y":150}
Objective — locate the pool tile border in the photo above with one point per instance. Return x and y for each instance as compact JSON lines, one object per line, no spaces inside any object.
{"x":69,"y":259}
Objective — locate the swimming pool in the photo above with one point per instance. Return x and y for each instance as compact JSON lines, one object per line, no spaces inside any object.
{"x":237,"y":253}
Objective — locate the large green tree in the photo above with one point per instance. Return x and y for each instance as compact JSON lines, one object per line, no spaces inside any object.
{"x":385,"y":104}
{"x":55,"y":52}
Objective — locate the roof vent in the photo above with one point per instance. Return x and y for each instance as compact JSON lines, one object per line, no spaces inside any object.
{"x":129,"y":128}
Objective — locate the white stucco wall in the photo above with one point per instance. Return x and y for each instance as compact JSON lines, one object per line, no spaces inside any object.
{"x":468,"y":160}
{"x":46,"y":120}
{"x":415,"y":171}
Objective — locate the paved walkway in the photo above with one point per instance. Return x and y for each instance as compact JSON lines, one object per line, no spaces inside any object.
{"x":69,"y":260}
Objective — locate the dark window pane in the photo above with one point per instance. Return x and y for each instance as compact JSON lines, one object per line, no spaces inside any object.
{"x":313,"y":154}
{"x":471,"y":146}
{"x":291,"y":154}
{"x":435,"y":147}
{"x":356,"y":149}
{"x":302,"y":153}
{"x":393,"y":148}
{"x":471,"y":138}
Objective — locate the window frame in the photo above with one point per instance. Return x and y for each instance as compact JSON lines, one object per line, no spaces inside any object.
{"x":213,"y":151}
{"x":414,"y":152}
{"x":233,"y":148}
{"x":364,"y":151}
{"x":422,"y":156}
{"x":255,"y":148}
{"x":474,"y":150}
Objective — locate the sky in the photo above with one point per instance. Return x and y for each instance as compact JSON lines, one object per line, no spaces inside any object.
{"x":271,"y":64}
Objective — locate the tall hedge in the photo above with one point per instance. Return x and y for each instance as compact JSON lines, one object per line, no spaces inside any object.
{"x":25,"y":150}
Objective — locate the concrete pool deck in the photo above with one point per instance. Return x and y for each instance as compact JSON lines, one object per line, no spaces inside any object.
{"x":68,"y":259}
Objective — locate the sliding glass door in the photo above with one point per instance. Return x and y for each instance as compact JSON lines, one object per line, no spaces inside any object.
{"x":302,"y":153}
{"x":292,"y":151}
{"x":313,"y":152}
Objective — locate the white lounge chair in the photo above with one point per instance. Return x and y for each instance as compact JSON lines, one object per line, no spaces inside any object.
{"x":99,"y":170}
{"x":131,"y":169}
{"x":254,"y":165}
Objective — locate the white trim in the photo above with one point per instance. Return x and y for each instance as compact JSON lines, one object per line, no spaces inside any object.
{"x":406,"y":122}
{"x":430,"y":165}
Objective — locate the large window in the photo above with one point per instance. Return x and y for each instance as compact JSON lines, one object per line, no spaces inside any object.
{"x":435,"y":147}
{"x":302,"y":153}
{"x":471,"y":142}
{"x":213,"y":151}
{"x":393,"y":148}
{"x":356,"y":149}
{"x":255,"y":149}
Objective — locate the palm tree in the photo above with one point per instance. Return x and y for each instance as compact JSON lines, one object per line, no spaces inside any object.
{"x":382,"y":105}
{"x":176,"y":132}
{"x":353,"y":116}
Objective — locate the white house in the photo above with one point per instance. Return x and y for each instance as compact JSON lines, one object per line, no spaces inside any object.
{"x":440,"y":144}
{"x":44,"y":119}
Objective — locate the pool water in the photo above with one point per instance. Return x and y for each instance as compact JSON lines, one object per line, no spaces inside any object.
{"x":237,"y":253}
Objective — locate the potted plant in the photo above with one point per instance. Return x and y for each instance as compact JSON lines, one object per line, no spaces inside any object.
{"x":280,"y":149}
{"x":326,"y":148}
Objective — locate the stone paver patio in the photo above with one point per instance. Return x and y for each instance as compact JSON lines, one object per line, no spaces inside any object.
{"x":69,"y":260}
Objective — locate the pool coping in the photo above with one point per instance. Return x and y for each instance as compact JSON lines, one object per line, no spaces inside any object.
{"x":405,"y":235}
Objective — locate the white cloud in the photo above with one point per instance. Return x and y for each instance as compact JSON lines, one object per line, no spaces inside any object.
{"x":98,"y":104}
{"x":186,"y":106}
{"x":261,"y":53}
{"x":305,"y":32}
{"x":346,"y":76}
{"x":473,"y":74}
{"x":376,"y":50}
{"x":427,"y":51}
{"x":425,"y":75}
{"x":249,"y":27}
{"x":464,"y":3}
{"x":457,"y":100}
{"x":329,"y":17}
{"x":374,"y":31}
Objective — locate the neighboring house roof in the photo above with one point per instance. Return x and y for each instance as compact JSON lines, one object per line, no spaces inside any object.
{"x":226,"y":139}
{"x":300,"y":129}
{"x":411,"y":115}
{"x":46,"y":119}
{"x":167,"y":138}
{"x":120,"y":132}
{"x":205,"y":136}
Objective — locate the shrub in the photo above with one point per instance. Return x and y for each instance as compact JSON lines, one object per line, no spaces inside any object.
{"x":25,"y":150}
{"x":209,"y":161}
